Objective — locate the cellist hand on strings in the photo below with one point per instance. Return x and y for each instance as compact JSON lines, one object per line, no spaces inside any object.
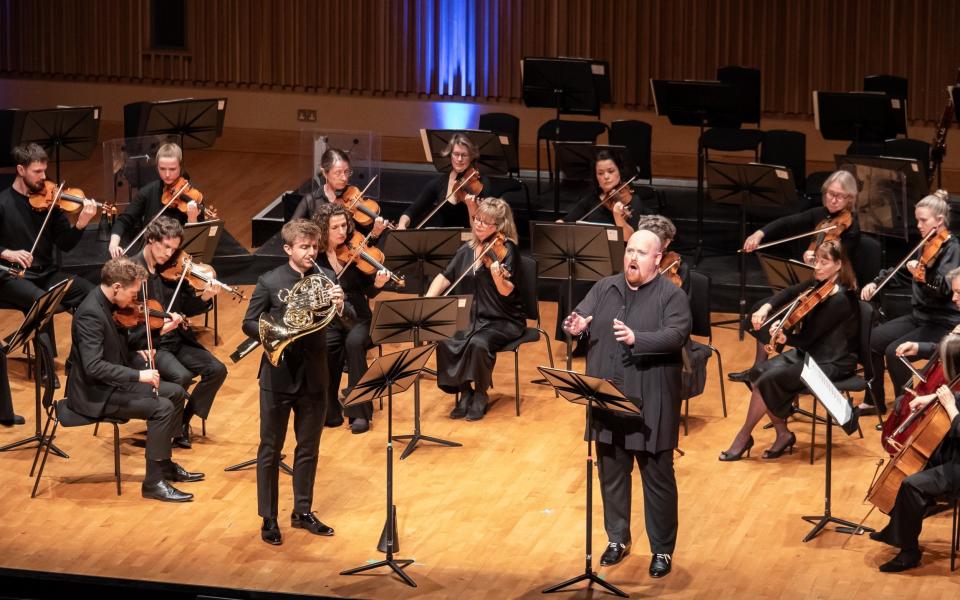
{"x":944,"y":395}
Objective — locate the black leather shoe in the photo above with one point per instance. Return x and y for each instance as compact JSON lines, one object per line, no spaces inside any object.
{"x":161,"y":490}
{"x":739,"y":376}
{"x":360,"y":425}
{"x":310,"y":522}
{"x":336,"y":421}
{"x":174,"y":472}
{"x":270,"y":532}
{"x":460,"y":410}
{"x":183,"y":440}
{"x":16,"y":420}
{"x":478,"y":407}
{"x":660,"y":565}
{"x":775,"y":453}
{"x":878,"y":536}
{"x":907,"y":559}
{"x":614,"y":553}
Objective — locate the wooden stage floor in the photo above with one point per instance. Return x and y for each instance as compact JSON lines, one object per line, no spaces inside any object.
{"x":501,"y":517}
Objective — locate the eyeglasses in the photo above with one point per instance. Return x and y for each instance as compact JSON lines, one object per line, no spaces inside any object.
{"x":460,"y":155}
{"x":341,"y":173}
{"x":838,"y":195}
{"x":481,"y":222}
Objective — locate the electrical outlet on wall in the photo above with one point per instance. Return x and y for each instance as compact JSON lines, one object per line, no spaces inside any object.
{"x":308,"y":115}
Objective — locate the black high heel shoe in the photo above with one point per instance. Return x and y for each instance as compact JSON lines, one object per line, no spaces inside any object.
{"x":732,"y":456}
{"x":777,"y":453}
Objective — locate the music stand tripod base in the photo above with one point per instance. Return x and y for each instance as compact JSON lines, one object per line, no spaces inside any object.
{"x":249,"y":463}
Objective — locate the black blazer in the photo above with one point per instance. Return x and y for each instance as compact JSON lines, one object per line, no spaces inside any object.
{"x":99,"y":356}
{"x":303,"y":368}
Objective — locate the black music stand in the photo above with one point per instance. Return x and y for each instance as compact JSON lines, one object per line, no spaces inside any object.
{"x":890,"y":188}
{"x":594,"y":393}
{"x":390,"y":373}
{"x":571,"y":252}
{"x":34,"y":322}
{"x":856,"y":116}
{"x":199,"y":122}
{"x":491,"y":147}
{"x":418,"y":320}
{"x":748,"y":185}
{"x":827,"y":394}
{"x":422,"y":252}
{"x":566,"y":85}
{"x":781,"y":273}
{"x":66,"y":133}
{"x":700,"y":104}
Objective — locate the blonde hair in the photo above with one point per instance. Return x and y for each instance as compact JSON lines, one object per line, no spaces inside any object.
{"x":170,"y":150}
{"x":499,"y":211}
{"x":937,"y":204}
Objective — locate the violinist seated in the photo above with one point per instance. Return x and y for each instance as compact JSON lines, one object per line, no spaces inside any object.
{"x":454,"y":195}
{"x":933,"y":313}
{"x":20,"y":225}
{"x":604,"y":205}
{"x":940,"y":477}
{"x":839,"y":195}
{"x":671,"y":264}
{"x":149,"y":200}
{"x":102,"y":380}
{"x":348,"y":336}
{"x":180,"y":356}
{"x":336,"y":172}
{"x":465,"y":362}
{"x":823,"y":324}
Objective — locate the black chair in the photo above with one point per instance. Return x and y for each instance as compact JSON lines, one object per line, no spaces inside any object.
{"x":866,"y":259}
{"x":570,"y":131}
{"x":787,"y":149}
{"x":699,"y":296}
{"x":637,"y":137}
{"x":507,"y":125}
{"x":59,"y":413}
{"x":528,"y":293}
{"x":858,"y":382}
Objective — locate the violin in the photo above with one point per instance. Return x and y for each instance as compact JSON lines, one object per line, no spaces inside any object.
{"x":842,"y":221}
{"x":672,"y":269}
{"x":621,"y":194}
{"x":800,"y":308}
{"x":197,"y":274}
{"x":496,"y":251}
{"x":369,"y":259}
{"x":133,"y":315}
{"x":931,"y":248}
{"x":467,"y":189}
{"x":66,"y":199}
{"x":364,"y":210}
{"x":181,"y":193}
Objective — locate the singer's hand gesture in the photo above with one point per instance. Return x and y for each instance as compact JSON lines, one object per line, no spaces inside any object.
{"x":575,"y":324}
{"x":623,"y":333}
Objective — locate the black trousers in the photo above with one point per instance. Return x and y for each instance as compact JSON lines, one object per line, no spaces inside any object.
{"x":347,"y":344}
{"x":162,"y":413}
{"x":182,"y":364}
{"x":6,"y":400}
{"x":615,"y":464}
{"x":308,"y":415}
{"x":22,"y":293}
{"x":883,"y":345}
{"x":916,"y":493}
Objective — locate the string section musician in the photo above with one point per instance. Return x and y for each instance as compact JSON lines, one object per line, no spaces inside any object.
{"x":23,"y":245}
{"x":103,"y":382}
{"x":932,"y":314}
{"x":298,"y":383}
{"x":148,"y":200}
{"x":180,"y":356}
{"x":485,"y":266}
{"x":636,"y":324}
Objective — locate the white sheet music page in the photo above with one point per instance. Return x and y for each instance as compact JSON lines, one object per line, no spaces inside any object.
{"x":827,"y":393}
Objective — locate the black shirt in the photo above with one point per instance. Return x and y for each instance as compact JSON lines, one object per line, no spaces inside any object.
{"x":20,"y":224}
{"x":144,"y":206}
{"x":450,"y":215}
{"x":932,"y":301}
{"x":807,"y":221}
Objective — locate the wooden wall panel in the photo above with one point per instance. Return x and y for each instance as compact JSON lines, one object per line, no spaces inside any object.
{"x":392,"y":48}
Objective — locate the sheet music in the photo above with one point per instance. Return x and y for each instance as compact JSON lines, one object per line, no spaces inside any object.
{"x":825,"y":391}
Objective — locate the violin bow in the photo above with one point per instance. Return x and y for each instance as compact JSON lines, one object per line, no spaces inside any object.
{"x":46,"y":219}
{"x":472,"y":266}
{"x":453,"y":192}
{"x":611,"y":194}
{"x":176,"y":195}
{"x":151,"y":363}
{"x":905,"y":260}
{"x":791,"y":238}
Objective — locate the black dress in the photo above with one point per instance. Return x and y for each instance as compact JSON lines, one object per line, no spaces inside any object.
{"x":829,"y":334}
{"x":451,"y":215}
{"x":495,"y":320}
